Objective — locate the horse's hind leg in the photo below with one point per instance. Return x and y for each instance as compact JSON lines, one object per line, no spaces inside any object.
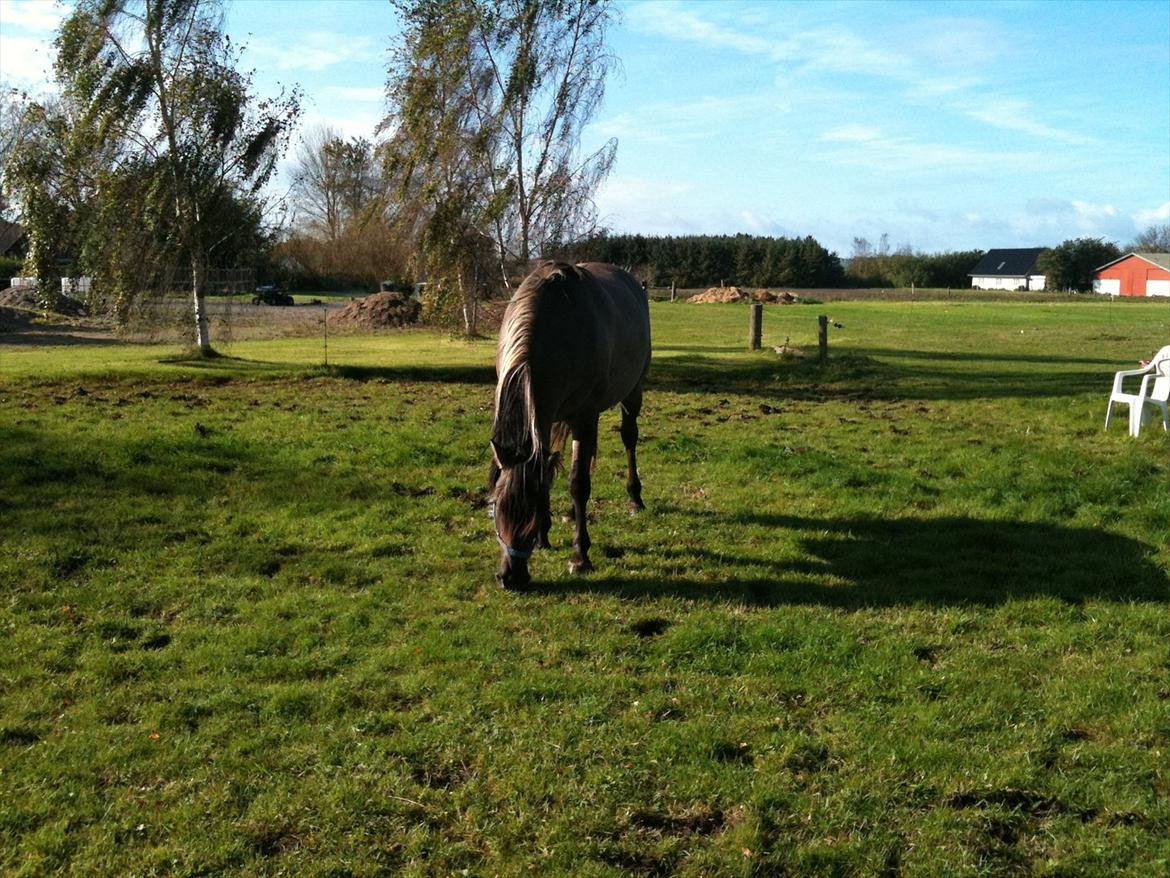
{"x":580,"y":484}
{"x":631,"y":406}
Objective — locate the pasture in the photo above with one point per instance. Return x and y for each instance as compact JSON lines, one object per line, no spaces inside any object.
{"x":906,"y":614}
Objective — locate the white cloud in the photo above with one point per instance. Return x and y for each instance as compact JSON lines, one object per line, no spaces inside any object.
{"x":825,"y":48}
{"x":1090,"y":213}
{"x":34,"y":15}
{"x":1052,"y":220}
{"x":675,"y":22}
{"x":757,"y":223}
{"x":1015,"y":115}
{"x":25,"y":61}
{"x":943,"y":69}
{"x":853,"y":134}
{"x":347,"y":121}
{"x":862,"y":146}
{"x":1144,"y":218}
{"x":647,"y":205}
{"x":358,"y":94}
{"x":687,"y":121}
{"x":315,"y":51}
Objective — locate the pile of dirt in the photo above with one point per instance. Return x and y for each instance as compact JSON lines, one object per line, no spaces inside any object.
{"x":378,"y":311}
{"x":26,"y":297}
{"x":723,"y":295}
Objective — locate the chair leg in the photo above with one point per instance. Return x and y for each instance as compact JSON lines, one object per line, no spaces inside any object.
{"x":1108,"y":414}
{"x":1135,"y":419}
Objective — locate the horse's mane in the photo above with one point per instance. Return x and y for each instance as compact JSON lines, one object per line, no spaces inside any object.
{"x":515,"y":431}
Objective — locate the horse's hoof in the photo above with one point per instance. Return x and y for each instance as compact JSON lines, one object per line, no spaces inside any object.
{"x":637,"y":506}
{"x":512,"y":583}
{"x":585,"y":566}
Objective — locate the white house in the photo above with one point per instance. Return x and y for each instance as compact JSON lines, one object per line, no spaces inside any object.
{"x":1008,"y":269}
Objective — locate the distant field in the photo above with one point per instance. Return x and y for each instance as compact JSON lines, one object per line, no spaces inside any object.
{"x":906,"y":614}
{"x":921,"y":294}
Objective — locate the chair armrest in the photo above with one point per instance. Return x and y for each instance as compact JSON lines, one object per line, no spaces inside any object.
{"x":1118,"y":377}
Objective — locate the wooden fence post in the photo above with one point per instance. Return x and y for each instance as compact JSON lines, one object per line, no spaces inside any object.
{"x":672,"y":291}
{"x":823,"y":337}
{"x":756,"y":327}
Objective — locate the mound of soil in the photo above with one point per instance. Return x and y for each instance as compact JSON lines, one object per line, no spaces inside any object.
{"x":723,"y":295}
{"x":378,"y":311}
{"x":26,"y":297}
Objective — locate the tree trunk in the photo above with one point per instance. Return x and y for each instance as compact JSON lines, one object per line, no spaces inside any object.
{"x":198,"y":296}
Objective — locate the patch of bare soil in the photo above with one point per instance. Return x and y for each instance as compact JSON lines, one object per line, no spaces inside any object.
{"x":22,"y":323}
{"x":379,"y":311}
{"x":724,"y":295}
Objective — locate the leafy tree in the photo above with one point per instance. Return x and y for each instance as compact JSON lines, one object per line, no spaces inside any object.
{"x":1155,"y":239}
{"x":14,"y":128}
{"x":47,"y":181}
{"x":336,"y":182}
{"x":156,"y":87}
{"x":1071,"y":265}
{"x":488,"y":100}
{"x":440,"y":154}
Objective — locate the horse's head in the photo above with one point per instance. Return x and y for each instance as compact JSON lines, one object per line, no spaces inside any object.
{"x":519,"y":496}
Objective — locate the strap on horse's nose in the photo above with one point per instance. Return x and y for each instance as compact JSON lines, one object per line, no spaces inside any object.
{"x":510,"y":552}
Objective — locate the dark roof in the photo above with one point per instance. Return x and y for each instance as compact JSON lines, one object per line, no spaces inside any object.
{"x":10,"y":234}
{"x":1019,"y":262}
{"x":1162,"y":260}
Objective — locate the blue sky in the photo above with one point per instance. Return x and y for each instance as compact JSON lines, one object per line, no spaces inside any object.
{"x":946,"y":125}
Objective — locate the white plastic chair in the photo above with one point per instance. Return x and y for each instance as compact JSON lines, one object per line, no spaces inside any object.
{"x":1153,"y":393}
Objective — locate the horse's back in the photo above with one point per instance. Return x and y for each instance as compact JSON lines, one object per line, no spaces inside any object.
{"x":624,"y":320}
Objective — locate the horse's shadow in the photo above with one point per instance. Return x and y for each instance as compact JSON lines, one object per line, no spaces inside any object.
{"x":855,"y":563}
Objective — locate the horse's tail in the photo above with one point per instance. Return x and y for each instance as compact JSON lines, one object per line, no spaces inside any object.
{"x":515,"y":432}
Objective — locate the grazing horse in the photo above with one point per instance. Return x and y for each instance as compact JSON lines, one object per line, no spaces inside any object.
{"x":575,"y":341}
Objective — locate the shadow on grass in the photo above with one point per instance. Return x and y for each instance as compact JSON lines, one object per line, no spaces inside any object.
{"x":882,"y":374}
{"x":472,"y":374}
{"x":904,"y":562}
{"x":226,"y":363}
{"x":78,"y":336}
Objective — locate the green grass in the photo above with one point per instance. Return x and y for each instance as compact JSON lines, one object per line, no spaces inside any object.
{"x":905,"y":614}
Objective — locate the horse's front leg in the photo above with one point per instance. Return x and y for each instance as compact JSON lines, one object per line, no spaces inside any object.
{"x":580,"y":484}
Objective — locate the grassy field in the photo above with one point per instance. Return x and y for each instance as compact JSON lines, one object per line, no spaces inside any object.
{"x":902,"y":615}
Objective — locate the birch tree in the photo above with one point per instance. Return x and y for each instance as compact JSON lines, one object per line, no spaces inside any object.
{"x":156,"y":82}
{"x":488,"y":103}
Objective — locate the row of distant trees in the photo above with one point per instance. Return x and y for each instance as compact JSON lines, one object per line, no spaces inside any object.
{"x":701,"y":260}
{"x":750,"y":260}
{"x":1070,"y":265}
{"x":879,"y":266}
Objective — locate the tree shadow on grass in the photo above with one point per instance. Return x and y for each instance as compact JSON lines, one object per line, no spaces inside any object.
{"x":471,"y":374}
{"x":874,"y":562}
{"x":861,"y":374}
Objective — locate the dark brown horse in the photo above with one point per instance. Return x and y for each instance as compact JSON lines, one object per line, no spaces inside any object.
{"x":575,"y":341}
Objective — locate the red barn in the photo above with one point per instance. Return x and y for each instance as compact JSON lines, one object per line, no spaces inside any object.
{"x":1135,"y":274}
